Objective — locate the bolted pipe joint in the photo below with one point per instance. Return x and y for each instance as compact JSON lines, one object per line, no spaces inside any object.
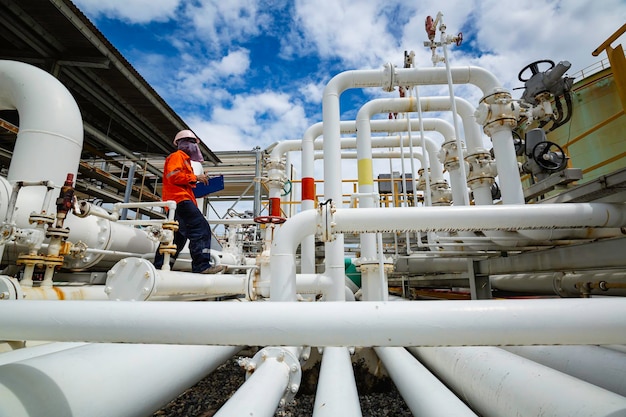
{"x":326,"y":221}
{"x":279,"y":355}
{"x":441,"y":194}
{"x":449,"y":155}
{"x":482,"y":169}
{"x":372,"y":265}
{"x":276,"y":175}
{"x":497,"y":111}
{"x":389,"y":76}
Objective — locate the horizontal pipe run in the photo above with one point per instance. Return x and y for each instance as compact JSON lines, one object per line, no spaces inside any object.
{"x":597,"y":365}
{"x":336,"y":393}
{"x":99,"y":380}
{"x":416,"y":323}
{"x":35,"y":351}
{"x":260,"y":395}
{"x":501,"y":217}
{"x":425,"y":395}
{"x":59,"y":292}
{"x":497,"y":383}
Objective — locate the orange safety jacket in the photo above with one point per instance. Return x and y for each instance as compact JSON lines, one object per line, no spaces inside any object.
{"x":178,"y":178}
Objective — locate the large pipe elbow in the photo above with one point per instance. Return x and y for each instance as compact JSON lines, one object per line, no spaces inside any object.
{"x":50,"y":122}
{"x":50,"y":137}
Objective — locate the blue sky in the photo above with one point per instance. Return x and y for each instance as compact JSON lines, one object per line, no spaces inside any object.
{"x":246,"y":73}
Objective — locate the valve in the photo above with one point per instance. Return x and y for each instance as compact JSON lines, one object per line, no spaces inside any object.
{"x":541,"y":88}
{"x":544,"y":157}
{"x":549,"y":156}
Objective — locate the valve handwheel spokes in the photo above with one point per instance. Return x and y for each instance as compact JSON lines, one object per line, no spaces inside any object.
{"x":549,"y":156}
{"x":534,"y":68}
{"x":269,"y":219}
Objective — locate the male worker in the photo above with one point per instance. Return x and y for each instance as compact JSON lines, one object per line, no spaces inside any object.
{"x":178,"y":184}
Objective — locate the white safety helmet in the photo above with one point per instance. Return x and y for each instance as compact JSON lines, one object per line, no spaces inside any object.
{"x":184,"y":134}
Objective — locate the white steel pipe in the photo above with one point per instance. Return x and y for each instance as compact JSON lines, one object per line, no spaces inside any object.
{"x":50,"y":137}
{"x":309,"y":143}
{"x":35,"y":351}
{"x":599,"y":366}
{"x":418,"y":323}
{"x":336,"y":393}
{"x":565,"y":284}
{"x":497,"y":383}
{"x":425,"y":395}
{"x":131,"y":380}
{"x":283,"y":255}
{"x":133,"y":279}
{"x":69,"y":292}
{"x":388,"y":77}
{"x":501,"y":217}
{"x":260,"y":395}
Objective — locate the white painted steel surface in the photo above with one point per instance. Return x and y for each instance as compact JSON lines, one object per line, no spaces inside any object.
{"x":34,"y":351}
{"x":600,"y":366}
{"x":126,"y":380}
{"x":336,"y":393}
{"x":501,"y":217}
{"x":416,"y":323}
{"x":424,"y":394}
{"x":260,"y":394}
{"x":497,"y":383}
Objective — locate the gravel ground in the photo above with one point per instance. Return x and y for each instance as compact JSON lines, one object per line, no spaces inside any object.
{"x":206,"y":397}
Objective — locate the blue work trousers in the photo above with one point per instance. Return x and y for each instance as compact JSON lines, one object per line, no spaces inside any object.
{"x":193,"y":226}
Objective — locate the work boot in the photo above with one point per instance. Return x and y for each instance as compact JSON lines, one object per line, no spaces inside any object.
{"x":215,"y":269}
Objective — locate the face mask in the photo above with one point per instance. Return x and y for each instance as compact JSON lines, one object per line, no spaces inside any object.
{"x":191,"y":149}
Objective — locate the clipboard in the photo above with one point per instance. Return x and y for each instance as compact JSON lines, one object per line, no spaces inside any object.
{"x":215,"y":184}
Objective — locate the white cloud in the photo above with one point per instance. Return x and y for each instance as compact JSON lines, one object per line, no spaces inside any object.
{"x":132,"y":11}
{"x":204,"y":83}
{"x":219,"y":23}
{"x":354,"y":31}
{"x":251,"y":120}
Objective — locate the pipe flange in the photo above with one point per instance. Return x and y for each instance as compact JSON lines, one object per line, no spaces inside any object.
{"x":30,"y":260}
{"x":131,"y":279}
{"x":171,"y":249}
{"x":326,"y":223}
{"x":60,"y":232}
{"x":373,"y":265}
{"x":170,"y":225}
{"x":10,"y":289}
{"x":281,"y":355}
{"x":41,"y":218}
{"x":251,"y":293}
{"x":53,"y":260}
{"x":388,"y":82}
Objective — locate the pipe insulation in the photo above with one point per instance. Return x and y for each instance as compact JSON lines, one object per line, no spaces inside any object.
{"x":497,"y":383}
{"x":415,"y":323}
{"x":105,"y":379}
